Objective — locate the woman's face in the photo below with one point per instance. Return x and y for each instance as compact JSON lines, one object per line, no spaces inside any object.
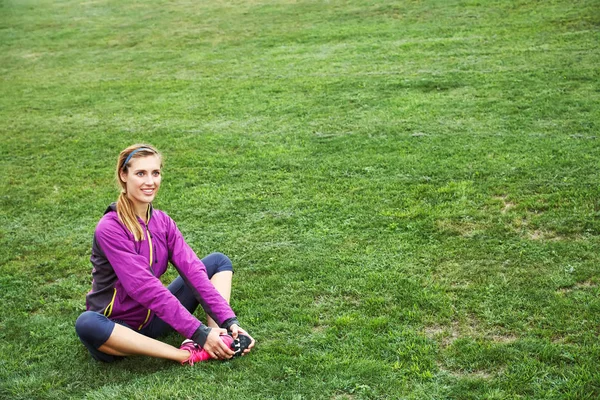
{"x":142,"y":180}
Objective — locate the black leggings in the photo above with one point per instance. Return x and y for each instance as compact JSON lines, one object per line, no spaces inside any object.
{"x":94,"y":328}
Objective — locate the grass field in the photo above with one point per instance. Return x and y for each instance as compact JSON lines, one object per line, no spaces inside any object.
{"x":409,"y":190}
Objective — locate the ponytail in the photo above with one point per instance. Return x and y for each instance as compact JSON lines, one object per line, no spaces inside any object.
{"x":128,"y":218}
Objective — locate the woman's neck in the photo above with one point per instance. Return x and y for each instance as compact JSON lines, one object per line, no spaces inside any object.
{"x":141,"y":210}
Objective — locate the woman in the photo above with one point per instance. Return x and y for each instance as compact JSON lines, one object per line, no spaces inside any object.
{"x":128,"y":306}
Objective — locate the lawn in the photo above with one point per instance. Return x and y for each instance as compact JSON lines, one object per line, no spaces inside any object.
{"x":409,"y":190}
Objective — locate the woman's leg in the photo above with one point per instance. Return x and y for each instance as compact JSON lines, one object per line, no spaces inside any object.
{"x":127,"y":342}
{"x":220,"y":272}
{"x":222,"y":282}
{"x":108,"y":341}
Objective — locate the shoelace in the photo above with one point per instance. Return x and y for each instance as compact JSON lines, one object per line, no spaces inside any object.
{"x":193,"y":349}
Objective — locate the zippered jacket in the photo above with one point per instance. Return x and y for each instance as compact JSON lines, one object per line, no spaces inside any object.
{"x":126,"y":284}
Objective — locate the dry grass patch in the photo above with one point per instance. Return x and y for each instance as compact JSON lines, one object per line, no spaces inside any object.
{"x":462,"y":374}
{"x":446,"y":335}
{"x":318,"y":329}
{"x":521,"y":226}
{"x":504,"y":339}
{"x":588,"y":284}
{"x":506,"y":205}
{"x":343,"y":396}
{"x":461,"y":228}
{"x":485,"y":375}
{"x":539,"y":234}
{"x":585,"y":284}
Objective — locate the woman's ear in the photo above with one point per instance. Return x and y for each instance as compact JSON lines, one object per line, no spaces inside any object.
{"x":123,"y":176}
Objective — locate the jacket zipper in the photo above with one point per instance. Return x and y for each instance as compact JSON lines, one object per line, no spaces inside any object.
{"x":109,"y":307}
{"x":149,"y":237}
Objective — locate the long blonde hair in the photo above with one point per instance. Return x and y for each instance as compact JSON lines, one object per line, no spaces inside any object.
{"x":125,"y":209}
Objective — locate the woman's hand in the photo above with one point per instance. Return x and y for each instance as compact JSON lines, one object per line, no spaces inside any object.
{"x":235,"y":330}
{"x":215,"y":347}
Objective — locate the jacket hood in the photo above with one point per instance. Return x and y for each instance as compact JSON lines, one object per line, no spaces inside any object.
{"x":111,"y":207}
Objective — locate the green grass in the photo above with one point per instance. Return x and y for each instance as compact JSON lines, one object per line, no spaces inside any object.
{"x":409,"y":190}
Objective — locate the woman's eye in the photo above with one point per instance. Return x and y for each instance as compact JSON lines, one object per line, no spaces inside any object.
{"x":156,"y":173}
{"x":140,"y":174}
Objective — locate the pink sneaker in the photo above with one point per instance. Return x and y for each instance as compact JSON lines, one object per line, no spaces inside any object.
{"x":197,"y":353}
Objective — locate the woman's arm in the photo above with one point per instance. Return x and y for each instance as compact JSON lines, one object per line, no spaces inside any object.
{"x":193,"y":272}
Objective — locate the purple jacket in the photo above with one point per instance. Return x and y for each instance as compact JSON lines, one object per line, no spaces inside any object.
{"x":126,"y":274}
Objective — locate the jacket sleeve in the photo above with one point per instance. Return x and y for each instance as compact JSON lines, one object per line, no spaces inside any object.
{"x":193,"y":272}
{"x":137,"y":279}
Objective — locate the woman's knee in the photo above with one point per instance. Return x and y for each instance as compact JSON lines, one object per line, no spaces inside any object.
{"x":93,"y":328}
{"x":217,"y":262}
{"x":86,"y":323}
{"x":225,"y":263}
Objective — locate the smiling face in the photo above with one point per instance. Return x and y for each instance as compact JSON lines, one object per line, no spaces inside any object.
{"x":142,"y":181}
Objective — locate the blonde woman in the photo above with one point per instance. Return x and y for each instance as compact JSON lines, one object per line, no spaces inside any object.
{"x":128,"y":306}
